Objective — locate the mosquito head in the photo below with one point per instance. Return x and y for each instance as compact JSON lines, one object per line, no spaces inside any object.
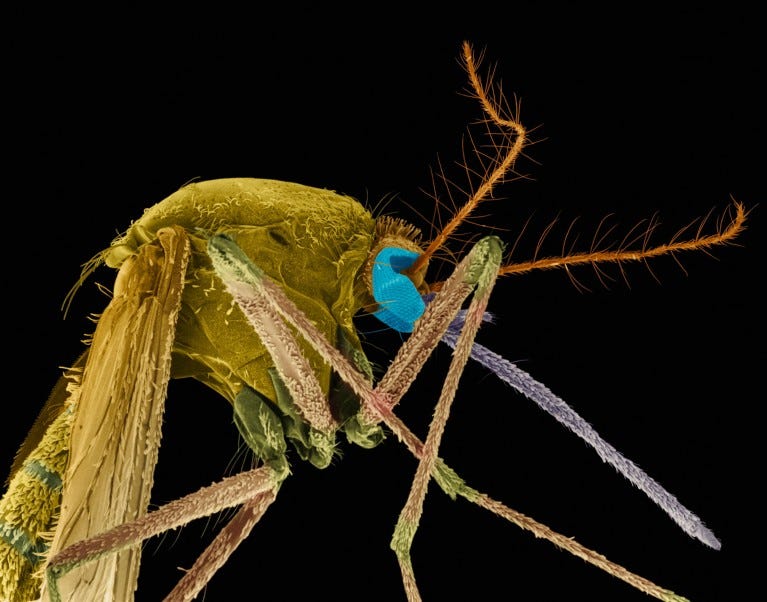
{"x":396,"y":297}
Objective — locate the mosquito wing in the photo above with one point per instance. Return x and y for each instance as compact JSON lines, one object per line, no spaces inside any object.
{"x":116,"y":428}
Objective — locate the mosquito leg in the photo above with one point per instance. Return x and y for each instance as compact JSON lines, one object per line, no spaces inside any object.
{"x":483,"y":272}
{"x":238,"y":489}
{"x":378,"y":404}
{"x":253,"y":290}
{"x":244,"y":281}
{"x":572,"y":546}
{"x":453,"y":485}
{"x":218,"y":552}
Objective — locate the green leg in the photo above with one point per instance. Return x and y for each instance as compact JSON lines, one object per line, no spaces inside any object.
{"x":480,"y":269}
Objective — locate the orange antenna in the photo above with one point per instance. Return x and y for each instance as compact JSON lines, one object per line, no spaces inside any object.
{"x":728,"y":228}
{"x":492,"y":103}
{"x":505,"y":122}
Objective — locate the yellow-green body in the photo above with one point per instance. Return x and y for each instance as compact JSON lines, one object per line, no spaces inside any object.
{"x":28,"y":512}
{"x":316,"y":244}
{"x":312,"y":242}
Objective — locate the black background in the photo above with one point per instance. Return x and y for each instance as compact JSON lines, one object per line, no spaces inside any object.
{"x":639,"y":112}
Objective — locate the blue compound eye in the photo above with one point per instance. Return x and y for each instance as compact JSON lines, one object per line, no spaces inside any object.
{"x":399,"y":300}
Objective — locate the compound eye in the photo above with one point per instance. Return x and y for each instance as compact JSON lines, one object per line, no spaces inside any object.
{"x":399,"y":301}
